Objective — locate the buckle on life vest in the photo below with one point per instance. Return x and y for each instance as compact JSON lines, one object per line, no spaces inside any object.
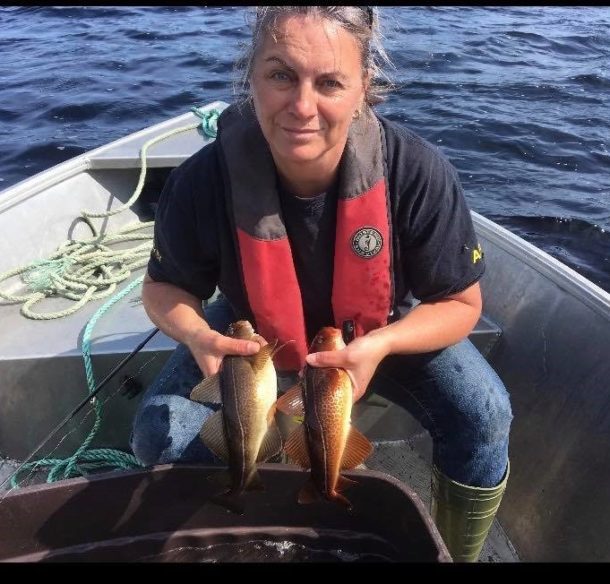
{"x":348,"y":330}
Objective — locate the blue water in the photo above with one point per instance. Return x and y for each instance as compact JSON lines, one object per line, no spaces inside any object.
{"x":518,"y":98}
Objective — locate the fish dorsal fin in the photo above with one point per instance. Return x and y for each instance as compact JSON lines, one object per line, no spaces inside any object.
{"x":208,"y":391}
{"x":213,"y":436}
{"x":296,"y":447}
{"x":271,"y":445}
{"x":291,"y":401}
{"x":275,"y":347}
{"x":357,"y":449}
{"x":265,"y":354}
{"x":278,"y":349}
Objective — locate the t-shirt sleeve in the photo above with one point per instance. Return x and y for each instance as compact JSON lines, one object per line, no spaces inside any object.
{"x":440,"y":253}
{"x":184,"y":246}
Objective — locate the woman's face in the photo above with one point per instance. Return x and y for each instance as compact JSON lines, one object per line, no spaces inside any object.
{"x":306,"y":85}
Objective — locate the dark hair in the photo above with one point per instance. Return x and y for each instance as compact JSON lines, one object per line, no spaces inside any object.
{"x":361,"y":21}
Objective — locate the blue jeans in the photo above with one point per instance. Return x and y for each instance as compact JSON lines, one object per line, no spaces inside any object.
{"x":453,"y":393}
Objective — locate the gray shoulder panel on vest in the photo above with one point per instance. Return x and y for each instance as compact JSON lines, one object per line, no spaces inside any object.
{"x":252,"y":174}
{"x":362,"y":163}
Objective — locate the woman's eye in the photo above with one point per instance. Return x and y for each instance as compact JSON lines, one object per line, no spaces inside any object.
{"x":280,"y":76}
{"x":331,"y":84}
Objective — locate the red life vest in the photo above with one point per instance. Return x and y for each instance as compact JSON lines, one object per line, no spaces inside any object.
{"x":362,"y":282}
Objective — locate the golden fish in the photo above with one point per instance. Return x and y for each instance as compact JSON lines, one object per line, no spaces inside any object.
{"x":326,"y":442}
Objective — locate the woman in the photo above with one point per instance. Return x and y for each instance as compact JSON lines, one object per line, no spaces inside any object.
{"x":311,"y":210}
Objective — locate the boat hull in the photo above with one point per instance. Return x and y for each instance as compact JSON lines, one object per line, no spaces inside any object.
{"x":545,"y":330}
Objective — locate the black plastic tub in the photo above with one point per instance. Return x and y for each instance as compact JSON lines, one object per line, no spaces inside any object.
{"x":164,"y":514}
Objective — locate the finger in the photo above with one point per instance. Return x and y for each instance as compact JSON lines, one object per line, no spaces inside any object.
{"x":237,"y":347}
{"x":212,"y":370}
{"x":358,"y":392}
{"x":327,"y":359}
{"x":260,"y":340}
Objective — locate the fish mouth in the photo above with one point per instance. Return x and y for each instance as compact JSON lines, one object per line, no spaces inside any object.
{"x":240,"y":329}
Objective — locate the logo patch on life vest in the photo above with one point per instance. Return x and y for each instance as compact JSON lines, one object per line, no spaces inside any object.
{"x":367,"y":242}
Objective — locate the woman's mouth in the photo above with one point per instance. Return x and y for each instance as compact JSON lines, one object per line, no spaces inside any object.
{"x":300,"y":131}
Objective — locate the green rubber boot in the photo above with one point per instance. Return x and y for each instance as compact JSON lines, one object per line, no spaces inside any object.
{"x":464,"y":514}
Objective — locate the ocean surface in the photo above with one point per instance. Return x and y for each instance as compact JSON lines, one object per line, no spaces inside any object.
{"x":518,"y":98}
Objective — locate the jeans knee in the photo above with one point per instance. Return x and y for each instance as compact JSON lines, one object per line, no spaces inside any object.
{"x":492,"y":415}
{"x":166,"y":430}
{"x":143,"y":453}
{"x":150,"y":434}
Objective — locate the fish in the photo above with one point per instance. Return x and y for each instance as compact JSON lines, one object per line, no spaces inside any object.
{"x":243,"y":432}
{"x":326,"y":442}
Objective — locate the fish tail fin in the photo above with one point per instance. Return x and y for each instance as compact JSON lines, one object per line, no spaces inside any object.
{"x":308,"y":493}
{"x":231,"y":501}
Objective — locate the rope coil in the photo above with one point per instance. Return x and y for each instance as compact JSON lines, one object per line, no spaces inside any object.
{"x":84,"y":270}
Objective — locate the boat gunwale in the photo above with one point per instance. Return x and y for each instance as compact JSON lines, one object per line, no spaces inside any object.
{"x":554,"y":270}
{"x":48,"y":178}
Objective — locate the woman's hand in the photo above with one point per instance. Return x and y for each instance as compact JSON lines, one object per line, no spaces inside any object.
{"x":180,"y":315}
{"x":209,"y":348}
{"x":360,"y":359}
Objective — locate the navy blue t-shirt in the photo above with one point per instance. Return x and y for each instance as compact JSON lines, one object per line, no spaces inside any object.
{"x":310,"y":224}
{"x":435,"y":250}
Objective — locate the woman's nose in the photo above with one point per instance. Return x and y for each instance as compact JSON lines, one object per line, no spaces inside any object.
{"x":304,"y":102}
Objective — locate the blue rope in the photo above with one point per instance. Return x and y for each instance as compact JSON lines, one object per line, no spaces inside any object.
{"x":209,"y":121}
{"x":83,"y":459}
{"x":97,"y":406}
